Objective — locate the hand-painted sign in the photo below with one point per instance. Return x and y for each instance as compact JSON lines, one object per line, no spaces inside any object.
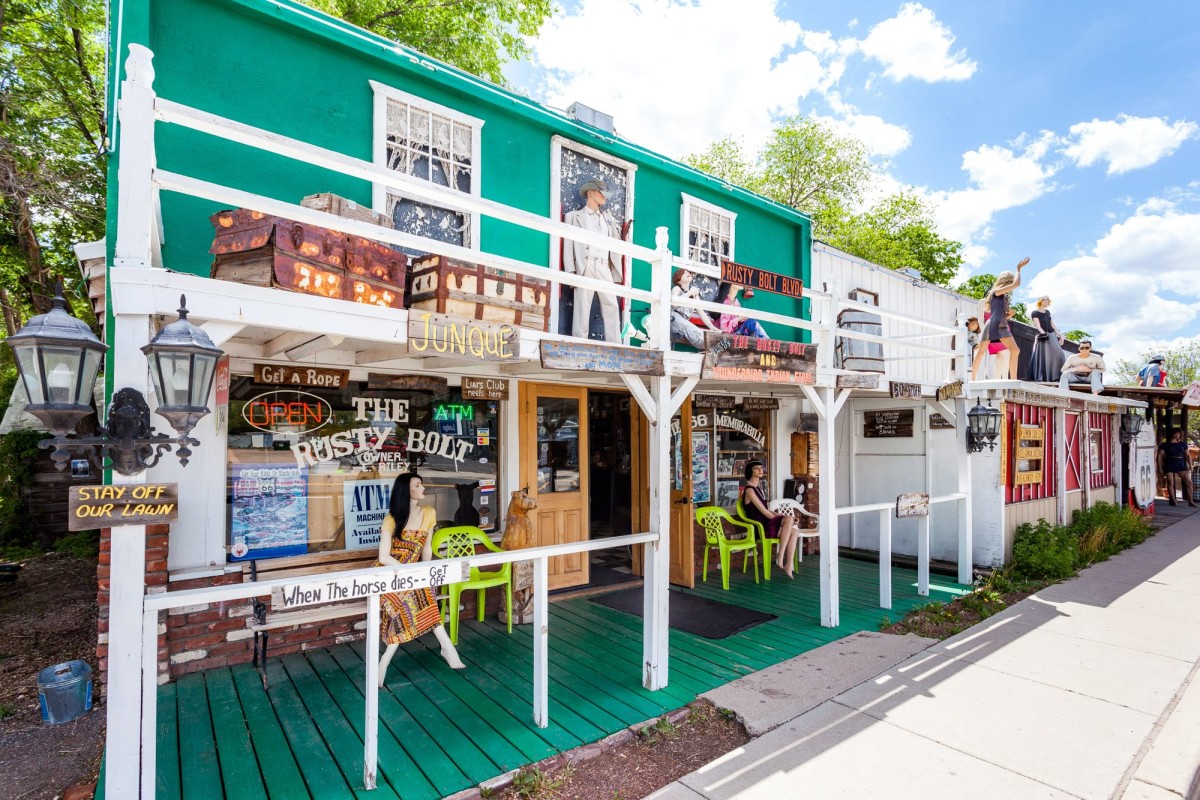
{"x":748,"y":359}
{"x":1191,"y":395}
{"x":952,"y":389}
{"x":432,"y":334}
{"x":1029,"y":453}
{"x":912,"y":504}
{"x":581,"y":356}
{"x":725,"y":402}
{"x":356,"y":587}
{"x":109,"y":506}
{"x":757,"y":278}
{"x":888,"y":424}
{"x":484,"y":389}
{"x":301,"y":376}
{"x":862,"y":380}
{"x":902,"y":390}
{"x":760,"y":403}
{"x":409,"y":383}
{"x":938,"y":422}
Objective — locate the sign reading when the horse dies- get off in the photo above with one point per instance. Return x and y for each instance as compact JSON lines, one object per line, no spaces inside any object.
{"x":748,"y":359}
{"x":109,"y":506}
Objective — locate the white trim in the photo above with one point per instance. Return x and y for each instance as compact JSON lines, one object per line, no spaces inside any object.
{"x":688,"y":202}
{"x":383,"y":93}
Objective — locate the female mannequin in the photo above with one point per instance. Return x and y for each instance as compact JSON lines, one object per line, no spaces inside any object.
{"x":403,"y":616}
{"x":683,"y":330}
{"x":733,"y":322}
{"x":997,"y":304}
{"x":1047,"y":359}
{"x":781,"y":526}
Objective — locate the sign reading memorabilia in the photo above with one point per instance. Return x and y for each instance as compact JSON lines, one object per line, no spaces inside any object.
{"x":109,"y":506}
{"x":912,"y":504}
{"x":400,"y":579}
{"x":760,"y":403}
{"x":432,"y":334}
{"x":1030,"y":449}
{"x":952,"y":389}
{"x":749,"y":359}
{"x":484,"y":389}
{"x":937,"y":422}
{"x":724,"y":402}
{"x":408,"y":383}
{"x":888,"y":424}
{"x":901,"y":390}
{"x":584,"y":357}
{"x":301,"y":376}
{"x":757,"y":278}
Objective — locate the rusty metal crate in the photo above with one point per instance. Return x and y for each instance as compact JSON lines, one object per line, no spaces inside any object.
{"x":461,"y":289}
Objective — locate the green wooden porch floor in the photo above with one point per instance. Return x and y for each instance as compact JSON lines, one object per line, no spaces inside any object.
{"x":441,"y":731}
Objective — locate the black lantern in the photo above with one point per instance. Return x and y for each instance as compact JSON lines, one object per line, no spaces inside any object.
{"x":58,"y":357}
{"x":983,"y":426}
{"x":1131,"y":426}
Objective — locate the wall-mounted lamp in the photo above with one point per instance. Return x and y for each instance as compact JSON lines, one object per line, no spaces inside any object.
{"x":1131,"y":426}
{"x":983,"y":426}
{"x":58,"y":357}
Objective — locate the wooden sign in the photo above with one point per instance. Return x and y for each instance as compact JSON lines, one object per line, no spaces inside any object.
{"x":937,"y":422}
{"x":301,"y":376}
{"x":724,"y":402}
{"x":888,"y":424}
{"x":748,"y":359}
{"x":484,"y":389}
{"x":584,"y":357}
{"x":760,"y":403}
{"x":402,"y":579}
{"x":1029,"y":453}
{"x":807,"y":423}
{"x":952,"y":389}
{"x":409,"y":383}
{"x":912,"y":504}
{"x":1191,"y":394}
{"x":432,"y":334}
{"x":1026,"y":477}
{"x":757,"y":278}
{"x":863,"y":380}
{"x":901,"y":390}
{"x":110,"y":506}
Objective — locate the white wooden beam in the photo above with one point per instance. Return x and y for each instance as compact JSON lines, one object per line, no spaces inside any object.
{"x":641,"y":396}
{"x":221,"y":332}
{"x":320,"y":344}
{"x":377,"y":355}
{"x":286,"y":341}
{"x":885,"y":558}
{"x":681,"y":393}
{"x":827,"y":459}
{"x":656,"y":611}
{"x":371,"y":694}
{"x":541,"y":643}
{"x":966,"y":517}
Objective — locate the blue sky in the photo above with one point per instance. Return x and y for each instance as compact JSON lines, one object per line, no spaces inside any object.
{"x":1066,"y":131}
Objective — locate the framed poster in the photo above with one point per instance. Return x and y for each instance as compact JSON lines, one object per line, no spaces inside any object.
{"x":270,"y":511}
{"x":727,"y":493}
{"x":701,"y":468}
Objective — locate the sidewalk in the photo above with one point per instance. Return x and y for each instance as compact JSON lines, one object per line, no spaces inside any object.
{"x":1087,"y":689}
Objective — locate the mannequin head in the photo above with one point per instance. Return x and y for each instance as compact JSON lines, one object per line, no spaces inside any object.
{"x":754,"y":469}
{"x":1043,"y":303}
{"x":407,"y":491}
{"x":682,"y":279}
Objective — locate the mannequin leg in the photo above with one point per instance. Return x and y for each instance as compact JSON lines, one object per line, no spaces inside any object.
{"x":448,"y":652}
{"x":386,"y":659}
{"x":980,"y":352}
{"x":788,"y":534}
{"x":1014,"y":353}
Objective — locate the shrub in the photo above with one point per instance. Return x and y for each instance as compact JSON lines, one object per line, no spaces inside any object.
{"x":18,"y":455}
{"x":1044,"y":551}
{"x":1105,"y":529}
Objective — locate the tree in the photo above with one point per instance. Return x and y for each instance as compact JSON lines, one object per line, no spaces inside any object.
{"x":806,"y":165}
{"x":727,"y":161}
{"x":1182,"y":363}
{"x":478,"y":36}
{"x":1076,"y":335}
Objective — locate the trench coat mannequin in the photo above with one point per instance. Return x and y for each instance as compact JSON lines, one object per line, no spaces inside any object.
{"x":407,"y":491}
{"x":593,"y":262}
{"x":997,"y":301}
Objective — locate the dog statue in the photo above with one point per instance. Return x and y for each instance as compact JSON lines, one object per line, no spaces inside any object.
{"x":518,"y":535}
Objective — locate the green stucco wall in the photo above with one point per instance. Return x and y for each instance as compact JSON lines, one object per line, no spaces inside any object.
{"x":265,"y":65}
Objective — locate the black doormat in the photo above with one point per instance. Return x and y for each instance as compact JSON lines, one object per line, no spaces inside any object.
{"x":691,"y":613}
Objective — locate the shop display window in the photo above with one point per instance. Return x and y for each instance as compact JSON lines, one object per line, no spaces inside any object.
{"x":311,"y":469}
{"x":728,"y":439}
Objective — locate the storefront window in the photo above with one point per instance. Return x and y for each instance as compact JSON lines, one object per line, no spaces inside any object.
{"x":311,"y":469}
{"x":558,"y":444}
{"x":738,"y":436}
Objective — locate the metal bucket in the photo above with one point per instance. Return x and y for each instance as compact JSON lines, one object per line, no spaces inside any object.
{"x":65,"y":691}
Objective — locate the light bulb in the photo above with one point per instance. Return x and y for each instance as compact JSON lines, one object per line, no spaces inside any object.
{"x":60,"y":383}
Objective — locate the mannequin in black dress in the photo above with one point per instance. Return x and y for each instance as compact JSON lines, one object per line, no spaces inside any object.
{"x":1045,"y":363}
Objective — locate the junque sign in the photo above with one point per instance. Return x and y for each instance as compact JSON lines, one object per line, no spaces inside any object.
{"x":432,"y":334}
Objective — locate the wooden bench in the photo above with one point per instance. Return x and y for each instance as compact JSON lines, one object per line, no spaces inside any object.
{"x":263,"y":621}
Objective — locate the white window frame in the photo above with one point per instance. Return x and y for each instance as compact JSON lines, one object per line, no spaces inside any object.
{"x":685,"y":208}
{"x":379,"y":192}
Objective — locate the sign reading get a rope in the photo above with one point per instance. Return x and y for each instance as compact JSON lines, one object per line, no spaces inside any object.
{"x":110,"y":506}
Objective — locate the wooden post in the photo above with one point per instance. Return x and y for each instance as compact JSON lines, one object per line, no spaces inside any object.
{"x":885,"y":558}
{"x":966,"y":517}
{"x":541,"y":642}
{"x":371,"y":695}
{"x":923,"y":556}
{"x":149,"y":698}
{"x":823,"y":400}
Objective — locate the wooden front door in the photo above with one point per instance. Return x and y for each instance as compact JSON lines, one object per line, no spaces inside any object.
{"x":554,"y":465}
{"x":679,"y":466}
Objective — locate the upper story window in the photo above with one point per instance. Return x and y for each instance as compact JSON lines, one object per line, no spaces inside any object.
{"x":431,"y":143}
{"x":707,"y":232}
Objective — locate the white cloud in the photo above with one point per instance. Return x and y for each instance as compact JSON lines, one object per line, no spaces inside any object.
{"x":1127,"y":143}
{"x":914,"y":44}
{"x":880,"y":137}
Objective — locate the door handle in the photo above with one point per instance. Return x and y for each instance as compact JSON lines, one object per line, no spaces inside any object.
{"x":683,"y":501}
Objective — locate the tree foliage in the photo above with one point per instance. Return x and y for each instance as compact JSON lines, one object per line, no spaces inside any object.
{"x":810,"y":167}
{"x":478,"y":36}
{"x":1182,"y":363}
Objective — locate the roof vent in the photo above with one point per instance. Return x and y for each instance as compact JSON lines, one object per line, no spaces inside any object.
{"x":590,"y":116}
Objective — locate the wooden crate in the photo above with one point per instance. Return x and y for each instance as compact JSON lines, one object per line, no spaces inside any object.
{"x":447,"y":286}
{"x":262,"y":250}
{"x":332,"y":204}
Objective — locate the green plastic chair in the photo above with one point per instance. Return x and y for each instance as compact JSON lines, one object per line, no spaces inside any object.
{"x":459,"y":541}
{"x":767,"y":542}
{"x":711,"y":519}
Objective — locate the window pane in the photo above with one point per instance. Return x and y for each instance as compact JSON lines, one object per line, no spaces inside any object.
{"x":558,"y":444}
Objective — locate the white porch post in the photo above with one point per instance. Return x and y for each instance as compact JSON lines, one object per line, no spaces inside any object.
{"x":658,"y":553}
{"x":125,"y":739}
{"x":827,"y":403}
{"x":885,"y":558}
{"x":1059,"y":443}
{"x":966,"y":518}
{"x":371,"y":695}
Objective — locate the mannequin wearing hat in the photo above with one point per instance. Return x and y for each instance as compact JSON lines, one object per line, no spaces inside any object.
{"x":1045,"y":363}
{"x":1154,"y":373}
{"x":593,"y":262}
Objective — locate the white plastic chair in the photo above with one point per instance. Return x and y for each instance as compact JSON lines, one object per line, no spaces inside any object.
{"x":797,"y":511}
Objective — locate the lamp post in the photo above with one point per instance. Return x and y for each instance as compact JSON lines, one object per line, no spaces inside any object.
{"x":983,"y":426}
{"x":58,"y":357}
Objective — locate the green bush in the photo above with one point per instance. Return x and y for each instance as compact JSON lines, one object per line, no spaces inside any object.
{"x":1105,"y":529}
{"x":81,"y":544}
{"x":1044,"y":551}
{"x":18,"y":455}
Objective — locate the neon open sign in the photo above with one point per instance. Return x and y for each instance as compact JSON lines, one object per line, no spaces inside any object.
{"x":287,"y":410}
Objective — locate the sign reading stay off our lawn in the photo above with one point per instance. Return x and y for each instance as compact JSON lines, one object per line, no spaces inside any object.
{"x":756,"y":278}
{"x":109,"y":506}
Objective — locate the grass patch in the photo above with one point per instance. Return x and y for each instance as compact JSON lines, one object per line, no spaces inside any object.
{"x":532,"y":782}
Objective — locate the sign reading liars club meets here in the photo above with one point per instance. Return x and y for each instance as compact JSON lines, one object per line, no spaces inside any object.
{"x":109,"y":506}
{"x":751,"y":360}
{"x":757,"y":278}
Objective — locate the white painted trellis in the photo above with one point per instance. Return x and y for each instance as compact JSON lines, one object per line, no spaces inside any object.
{"x":141,"y":289}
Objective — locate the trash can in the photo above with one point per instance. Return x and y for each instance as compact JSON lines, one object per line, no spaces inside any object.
{"x":64,"y":691}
